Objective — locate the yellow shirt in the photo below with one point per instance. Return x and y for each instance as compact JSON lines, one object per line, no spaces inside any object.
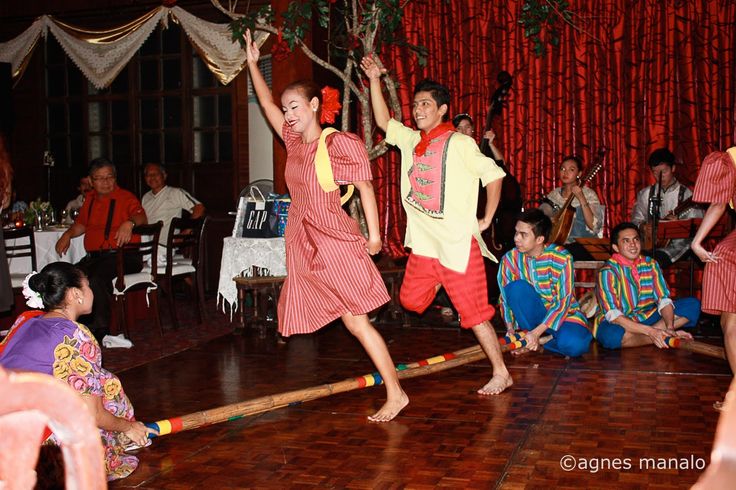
{"x":447,"y":238}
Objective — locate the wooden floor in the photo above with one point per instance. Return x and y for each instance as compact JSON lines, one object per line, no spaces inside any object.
{"x":606,"y":410}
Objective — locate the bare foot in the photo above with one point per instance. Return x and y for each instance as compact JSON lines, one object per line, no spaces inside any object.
{"x":496,"y":385}
{"x":390,"y":409}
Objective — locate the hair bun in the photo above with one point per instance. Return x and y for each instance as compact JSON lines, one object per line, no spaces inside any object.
{"x":37,"y":282}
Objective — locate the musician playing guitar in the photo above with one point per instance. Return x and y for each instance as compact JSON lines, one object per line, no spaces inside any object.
{"x":662,"y":164}
{"x":588,"y":219}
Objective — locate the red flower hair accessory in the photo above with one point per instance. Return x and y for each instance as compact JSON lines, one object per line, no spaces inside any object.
{"x":330,"y":105}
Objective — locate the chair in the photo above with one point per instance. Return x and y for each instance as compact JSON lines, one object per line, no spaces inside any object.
{"x":183,"y":253}
{"x":146,"y":279}
{"x":15,"y":250}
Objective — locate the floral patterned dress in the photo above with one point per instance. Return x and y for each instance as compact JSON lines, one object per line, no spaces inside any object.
{"x":68,"y":351}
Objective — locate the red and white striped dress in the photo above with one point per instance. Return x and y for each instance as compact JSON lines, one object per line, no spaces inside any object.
{"x":717,"y":184}
{"x":329,"y":271}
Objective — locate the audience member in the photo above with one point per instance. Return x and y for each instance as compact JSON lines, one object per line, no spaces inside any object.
{"x":106,"y":219}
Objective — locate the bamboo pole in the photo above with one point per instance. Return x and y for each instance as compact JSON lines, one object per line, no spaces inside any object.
{"x":290,"y":398}
{"x":697,"y":347}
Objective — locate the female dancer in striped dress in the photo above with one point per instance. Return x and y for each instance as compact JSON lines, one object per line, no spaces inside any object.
{"x":330,"y":273}
{"x":716,"y":185}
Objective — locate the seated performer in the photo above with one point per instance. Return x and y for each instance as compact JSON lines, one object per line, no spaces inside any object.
{"x":662,"y":164}
{"x":54,"y":343}
{"x":536,"y":282}
{"x":588,"y":220}
{"x":635,"y":304}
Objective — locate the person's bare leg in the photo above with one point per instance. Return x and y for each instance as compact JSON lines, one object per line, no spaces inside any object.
{"x":728,"y":325}
{"x":635,"y":340}
{"x":679,"y":322}
{"x":376,"y":348}
{"x":489,"y":343}
{"x":639,"y":339}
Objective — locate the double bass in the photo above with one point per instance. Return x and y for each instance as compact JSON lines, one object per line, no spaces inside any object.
{"x":499,"y":236}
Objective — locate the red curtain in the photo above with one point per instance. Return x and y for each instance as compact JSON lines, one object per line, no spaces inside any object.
{"x":631,"y":76}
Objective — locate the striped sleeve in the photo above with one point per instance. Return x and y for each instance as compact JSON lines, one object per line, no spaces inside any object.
{"x":505,"y":276}
{"x":716,"y":181}
{"x":348,"y":158}
{"x":659,"y":286}
{"x":560,"y":302}
{"x":606,"y":293}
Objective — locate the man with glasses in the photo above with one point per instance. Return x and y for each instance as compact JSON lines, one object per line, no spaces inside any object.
{"x":106,"y":220}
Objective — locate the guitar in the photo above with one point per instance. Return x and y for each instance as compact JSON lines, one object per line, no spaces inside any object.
{"x":562,"y":221}
{"x":646,"y":228}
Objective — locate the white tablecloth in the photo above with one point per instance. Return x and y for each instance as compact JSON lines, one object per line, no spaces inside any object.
{"x":46,"y":251}
{"x":240,"y":254}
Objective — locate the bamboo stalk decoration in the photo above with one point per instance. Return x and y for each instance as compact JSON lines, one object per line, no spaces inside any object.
{"x":697,"y":347}
{"x":292,"y":398}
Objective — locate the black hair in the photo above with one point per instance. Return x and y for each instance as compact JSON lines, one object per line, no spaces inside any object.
{"x":439,"y":93}
{"x":460,"y":118}
{"x":99,"y":163}
{"x":626,"y":225}
{"x":53,"y":282}
{"x":574,"y":158}
{"x":540,"y":222}
{"x":660,"y":156}
{"x":308,"y":88}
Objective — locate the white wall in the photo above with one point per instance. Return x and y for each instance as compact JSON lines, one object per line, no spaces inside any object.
{"x":260,"y":141}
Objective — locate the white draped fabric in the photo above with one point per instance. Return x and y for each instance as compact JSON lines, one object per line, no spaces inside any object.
{"x":239,"y":255}
{"x":101,"y":60}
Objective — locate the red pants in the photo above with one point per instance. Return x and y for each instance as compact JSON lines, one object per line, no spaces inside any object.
{"x":468,"y":291}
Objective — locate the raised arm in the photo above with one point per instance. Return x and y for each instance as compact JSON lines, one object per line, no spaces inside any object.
{"x":374,"y":73}
{"x":273,"y":112}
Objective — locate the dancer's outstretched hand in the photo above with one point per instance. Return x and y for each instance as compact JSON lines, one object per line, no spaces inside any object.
{"x":371,"y":68}
{"x":252,"y":53}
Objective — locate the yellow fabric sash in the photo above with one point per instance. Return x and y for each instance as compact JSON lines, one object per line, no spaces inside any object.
{"x":323,"y":167}
{"x":732,"y":153}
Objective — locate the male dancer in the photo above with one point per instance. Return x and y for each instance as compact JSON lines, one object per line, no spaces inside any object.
{"x":440,"y":169}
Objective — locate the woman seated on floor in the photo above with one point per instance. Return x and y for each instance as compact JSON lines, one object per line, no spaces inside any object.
{"x":52,"y":342}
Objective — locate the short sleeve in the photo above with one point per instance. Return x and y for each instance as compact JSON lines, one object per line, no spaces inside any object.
{"x":716,"y":181}
{"x":402,"y":136}
{"x":348,"y":158}
{"x":185,"y":201}
{"x":84,"y":210}
{"x":476,"y":162}
{"x":132,"y":205}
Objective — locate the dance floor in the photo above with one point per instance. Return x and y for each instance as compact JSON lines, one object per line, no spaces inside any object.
{"x":631,"y":419}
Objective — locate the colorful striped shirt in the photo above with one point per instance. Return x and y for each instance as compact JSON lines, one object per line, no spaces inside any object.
{"x":635,"y":289}
{"x":550,"y":273}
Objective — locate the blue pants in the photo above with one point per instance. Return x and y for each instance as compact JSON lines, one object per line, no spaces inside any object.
{"x":610,"y":335}
{"x":571,"y":339}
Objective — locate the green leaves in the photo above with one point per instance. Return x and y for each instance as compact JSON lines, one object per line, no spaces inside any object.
{"x":538,"y":16}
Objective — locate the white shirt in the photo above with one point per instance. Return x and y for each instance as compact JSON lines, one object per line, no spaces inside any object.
{"x":166,"y":205}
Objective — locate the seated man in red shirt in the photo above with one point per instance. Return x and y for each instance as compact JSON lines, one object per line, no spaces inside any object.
{"x":106,"y":219}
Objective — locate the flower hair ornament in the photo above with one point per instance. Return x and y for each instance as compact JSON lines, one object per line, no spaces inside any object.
{"x":33,"y":298}
{"x":330,"y":105}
